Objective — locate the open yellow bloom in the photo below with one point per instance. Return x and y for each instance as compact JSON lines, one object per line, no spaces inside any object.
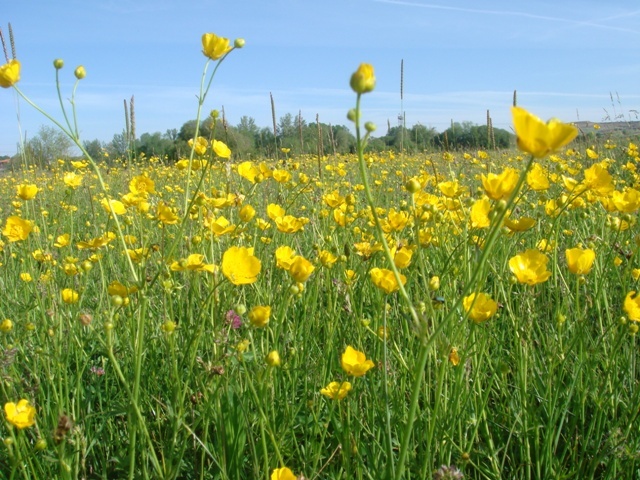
{"x":248,"y":171}
{"x":580,"y":260}
{"x":354,"y":362}
{"x":26,"y":192}
{"x":336,"y":390}
{"x":500,"y":186}
{"x":632,"y":306}
{"x":240,"y":266}
{"x":363,"y":79}
{"x":220,"y":149}
{"x":115,"y":205}
{"x":215,"y":47}
{"x":72,"y":180}
{"x":479,"y":306}
{"x":539,"y":138}
{"x":142,"y":185}
{"x":194,"y":262}
{"x":9,"y":73}
{"x":530,"y":267}
{"x":284,"y":257}
{"x":283,"y":474}
{"x":20,"y":415}
{"x":385,"y":280}
{"x":17,"y":229}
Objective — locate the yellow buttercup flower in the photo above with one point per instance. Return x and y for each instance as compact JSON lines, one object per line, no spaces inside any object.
{"x":70,"y":296}
{"x":385,"y":280}
{"x":479,"y":214}
{"x":221,"y":150}
{"x":632,"y":306}
{"x":115,"y":205}
{"x":17,"y":229}
{"x":259,"y":315}
{"x":72,"y":180}
{"x":248,"y":171}
{"x":336,"y":390}
{"x":355,"y":362}
{"x":301,"y":269}
{"x":539,"y":138}
{"x":500,"y":186}
{"x":363,"y":79}
{"x":26,"y":192}
{"x":20,"y":415}
{"x":580,"y":260}
{"x":284,"y":257}
{"x":142,"y":185}
{"x":240,"y":266}
{"x":283,"y":474}
{"x":9,"y":73}
{"x":199,"y":146}
{"x":480,"y":307}
{"x":215,"y":47}
{"x":530,"y":267}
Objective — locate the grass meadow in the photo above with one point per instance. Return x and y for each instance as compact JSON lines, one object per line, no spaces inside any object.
{"x":443,"y":315}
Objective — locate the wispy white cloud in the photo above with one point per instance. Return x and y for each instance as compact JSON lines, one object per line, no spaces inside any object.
{"x":514,"y":13}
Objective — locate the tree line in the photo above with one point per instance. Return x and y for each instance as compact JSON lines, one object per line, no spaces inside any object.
{"x":249,"y":141}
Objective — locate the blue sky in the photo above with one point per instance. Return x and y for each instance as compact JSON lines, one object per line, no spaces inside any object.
{"x":461,"y":57}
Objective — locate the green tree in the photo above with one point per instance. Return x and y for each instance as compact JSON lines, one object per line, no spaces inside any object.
{"x":47,"y":146}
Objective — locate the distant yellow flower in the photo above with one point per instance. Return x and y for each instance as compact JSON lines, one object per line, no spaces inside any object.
{"x":355,"y":362}
{"x":632,"y":306}
{"x":6,"y":325}
{"x":221,"y":150}
{"x":9,"y":73}
{"x":97,"y":242}
{"x":530,"y":267}
{"x":538,"y":178}
{"x":479,"y":306}
{"x":27,"y":192}
{"x":117,"y":288}
{"x":273,"y":359}
{"x":290,"y":224}
{"x":539,"y":138}
{"x":72,"y":179}
{"x":26,"y":277}
{"x":62,"y":240}
{"x":385,"y":280}
{"x":17,"y":229}
{"x":327,"y":259}
{"x":70,"y":296}
{"x":247,"y":212}
{"x":259,"y":315}
{"x":336,"y":390}
{"x":363,"y":79}
{"x":248,"y":171}
{"x":199,"y":146}
{"x":454,"y":357}
{"x":282,"y":474}
{"x":166,"y":214}
{"x":20,"y":415}
{"x":240,"y":266}
{"x":142,"y":185}
{"x":520,"y":225}
{"x":215,"y":47}
{"x":194,"y":262}
{"x":580,"y":260}
{"x":115,"y":205}
{"x":301,"y":269}
{"x":479,"y":214}
{"x":500,"y":186}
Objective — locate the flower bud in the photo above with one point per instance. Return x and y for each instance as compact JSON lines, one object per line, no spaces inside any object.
{"x":370,"y":127}
{"x":273,"y":359}
{"x":58,"y":63}
{"x":412,"y":185}
{"x":352,"y":115}
{"x":363,"y":80}
{"x":80,"y":72}
{"x":238,"y":43}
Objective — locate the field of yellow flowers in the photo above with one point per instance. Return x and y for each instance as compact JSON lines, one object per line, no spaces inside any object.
{"x":447,"y":315}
